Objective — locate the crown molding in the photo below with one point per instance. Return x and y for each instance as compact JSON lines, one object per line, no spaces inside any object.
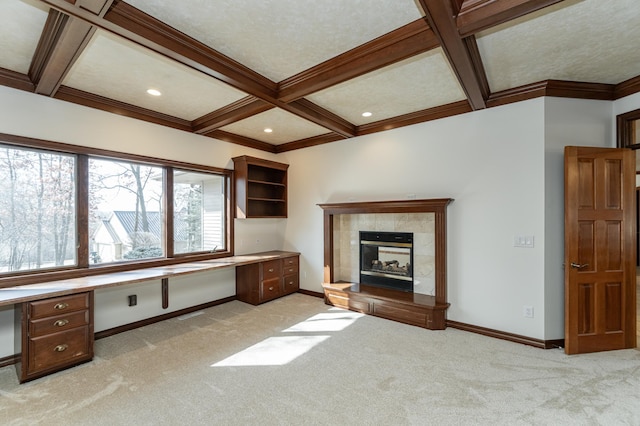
{"x":628,"y":87}
{"x":435,"y":113}
{"x":16,"y":80}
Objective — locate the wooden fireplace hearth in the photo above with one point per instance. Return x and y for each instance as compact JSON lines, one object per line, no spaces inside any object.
{"x":428,"y":311}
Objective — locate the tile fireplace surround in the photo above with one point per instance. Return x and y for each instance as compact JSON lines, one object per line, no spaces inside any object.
{"x":346,"y":244}
{"x":426,"y":306}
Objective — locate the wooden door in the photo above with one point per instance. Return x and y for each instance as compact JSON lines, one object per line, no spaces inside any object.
{"x":599,"y":249}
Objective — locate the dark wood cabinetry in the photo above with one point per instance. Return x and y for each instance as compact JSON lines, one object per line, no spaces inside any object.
{"x":54,"y":334}
{"x":261,"y":187}
{"x":260,"y":282}
{"x":409,"y":308}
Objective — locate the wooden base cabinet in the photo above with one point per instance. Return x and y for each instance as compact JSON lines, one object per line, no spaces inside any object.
{"x":260,"y":282}
{"x":409,"y":308}
{"x":53,"y":334}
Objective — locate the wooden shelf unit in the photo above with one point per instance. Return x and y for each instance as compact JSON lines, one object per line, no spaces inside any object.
{"x":261,"y":188}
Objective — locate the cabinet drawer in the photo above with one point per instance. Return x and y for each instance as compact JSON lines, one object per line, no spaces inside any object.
{"x":270,"y":289}
{"x":291,"y":283}
{"x":58,"y":323}
{"x":271,"y":269}
{"x":58,"y":305}
{"x":59,"y":349}
{"x":290,"y":265}
{"x":290,"y":268}
{"x":401,"y":313}
{"x":337,"y":299}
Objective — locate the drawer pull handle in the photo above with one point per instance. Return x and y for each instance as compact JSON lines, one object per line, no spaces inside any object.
{"x":271,"y":270}
{"x":61,"y":306}
{"x":291,"y":270}
{"x":290,"y":282}
{"x":61,"y":323}
{"x":270,"y":288}
{"x":61,"y":348}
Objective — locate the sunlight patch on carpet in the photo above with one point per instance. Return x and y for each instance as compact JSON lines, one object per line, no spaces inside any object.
{"x":272,"y":351}
{"x":332,"y":321}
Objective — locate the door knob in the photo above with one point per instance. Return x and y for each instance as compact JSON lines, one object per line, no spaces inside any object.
{"x":578,"y":266}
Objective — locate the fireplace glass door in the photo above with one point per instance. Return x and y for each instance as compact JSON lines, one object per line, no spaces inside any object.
{"x":386,"y":259}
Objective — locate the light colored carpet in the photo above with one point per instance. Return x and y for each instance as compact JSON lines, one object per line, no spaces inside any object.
{"x":296,"y":361}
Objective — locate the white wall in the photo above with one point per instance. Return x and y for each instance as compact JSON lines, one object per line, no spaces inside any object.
{"x":491,"y":162}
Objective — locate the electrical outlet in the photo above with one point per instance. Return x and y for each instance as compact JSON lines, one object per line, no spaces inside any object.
{"x":527,"y":311}
{"x":133,"y":300}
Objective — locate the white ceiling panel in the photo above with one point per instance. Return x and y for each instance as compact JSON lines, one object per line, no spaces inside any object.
{"x":589,"y":41}
{"x":280,"y":38}
{"x":421,"y":82}
{"x":286,"y":127}
{"x":21,"y":23}
{"x":123,"y":71}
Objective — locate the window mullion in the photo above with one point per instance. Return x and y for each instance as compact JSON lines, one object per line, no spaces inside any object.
{"x":82,"y":210}
{"x":168,"y":209}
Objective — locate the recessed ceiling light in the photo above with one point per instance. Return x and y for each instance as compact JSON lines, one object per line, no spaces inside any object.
{"x":268,"y":130}
{"x":154,"y":92}
{"x":366,"y":114}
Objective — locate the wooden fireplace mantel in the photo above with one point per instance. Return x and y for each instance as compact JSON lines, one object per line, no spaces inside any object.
{"x":422,"y":310}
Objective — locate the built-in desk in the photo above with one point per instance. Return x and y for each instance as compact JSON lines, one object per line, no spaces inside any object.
{"x":54,"y":320}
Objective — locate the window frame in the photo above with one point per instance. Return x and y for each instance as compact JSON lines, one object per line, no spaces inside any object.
{"x":84,"y":267}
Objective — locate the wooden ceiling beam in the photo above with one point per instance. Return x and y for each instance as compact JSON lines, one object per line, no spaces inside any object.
{"x":92,"y":100}
{"x":61,"y":43}
{"x":308,"y":142}
{"x":134,"y":25}
{"x":142,"y":29}
{"x":241,"y":140}
{"x":478,"y":15}
{"x":239,"y":110}
{"x":317,"y":114}
{"x":152,"y":33}
{"x":405,"y":42}
{"x":440,"y":15}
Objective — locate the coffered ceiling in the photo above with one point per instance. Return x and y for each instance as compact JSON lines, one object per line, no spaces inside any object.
{"x":308,"y":70}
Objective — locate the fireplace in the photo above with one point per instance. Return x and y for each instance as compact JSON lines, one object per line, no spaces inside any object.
{"x":386,"y":259}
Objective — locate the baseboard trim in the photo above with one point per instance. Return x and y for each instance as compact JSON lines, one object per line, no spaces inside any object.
{"x":516,"y":338}
{"x":9,"y":360}
{"x":127,"y":327}
{"x":311,"y":293}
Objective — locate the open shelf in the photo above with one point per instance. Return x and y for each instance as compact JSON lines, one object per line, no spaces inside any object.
{"x":261,"y":188}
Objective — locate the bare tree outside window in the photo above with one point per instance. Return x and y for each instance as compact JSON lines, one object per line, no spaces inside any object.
{"x":37,"y":209}
{"x":126,"y":212}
